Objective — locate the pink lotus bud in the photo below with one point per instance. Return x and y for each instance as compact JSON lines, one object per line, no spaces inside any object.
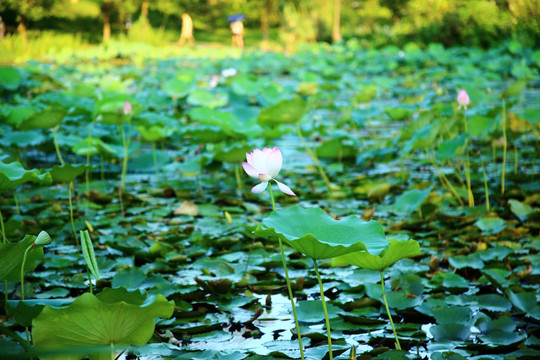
{"x":265,"y":165}
{"x":463,"y":99}
{"x":127,"y":108}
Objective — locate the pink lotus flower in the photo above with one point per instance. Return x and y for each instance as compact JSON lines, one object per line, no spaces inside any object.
{"x":463,"y":99}
{"x":127,"y":108}
{"x":265,"y":165}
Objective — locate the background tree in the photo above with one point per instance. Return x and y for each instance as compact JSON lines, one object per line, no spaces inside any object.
{"x":27,"y":10}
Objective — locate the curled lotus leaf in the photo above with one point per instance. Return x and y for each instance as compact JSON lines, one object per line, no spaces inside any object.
{"x":319,"y":236}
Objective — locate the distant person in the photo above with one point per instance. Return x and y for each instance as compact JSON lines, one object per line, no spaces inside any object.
{"x":128,"y":25}
{"x":187,"y":30}
{"x":237,"y":28}
{"x":2,"y":28}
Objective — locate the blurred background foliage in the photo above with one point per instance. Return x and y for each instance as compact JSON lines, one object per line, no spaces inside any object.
{"x":37,"y":25}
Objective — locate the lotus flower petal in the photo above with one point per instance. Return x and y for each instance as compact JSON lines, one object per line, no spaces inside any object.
{"x":285,"y":189}
{"x":274,"y":162}
{"x":250,"y":170}
{"x":259,"y":188}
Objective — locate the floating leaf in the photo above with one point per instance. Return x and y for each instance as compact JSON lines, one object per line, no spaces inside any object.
{"x":11,"y":258}
{"x":48,"y":118}
{"x":99,"y":325}
{"x":13,"y":175}
{"x":67,"y":172}
{"x":284,"y":112}
{"x":396,"y":251}
{"x":411,"y":200}
{"x":521,"y":210}
{"x":10,"y":78}
{"x":491,"y":225}
{"x":319,"y":236}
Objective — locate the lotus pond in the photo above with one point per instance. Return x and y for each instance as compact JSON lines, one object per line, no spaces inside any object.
{"x":139,"y":220}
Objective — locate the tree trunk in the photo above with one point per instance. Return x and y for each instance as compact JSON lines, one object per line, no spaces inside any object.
{"x":106,"y":28}
{"x":264,"y":20}
{"x":336,"y":26}
{"x":144,"y":16}
{"x":22,"y":30}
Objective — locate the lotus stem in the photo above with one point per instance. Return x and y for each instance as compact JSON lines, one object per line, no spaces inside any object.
{"x":89,"y":281}
{"x":16,"y":199}
{"x":112,"y":351}
{"x":87,"y":172}
{"x":505,"y":144}
{"x":125,"y":158}
{"x":57,"y":148}
{"x":70,"y":189}
{"x":314,"y":158}
{"x":102,"y":168}
{"x":22,"y":270}
{"x":444,"y":180}
{"x":154,"y":155}
{"x":515,"y":159}
{"x":486,"y":190}
{"x":468,"y":165}
{"x":398,"y":346}
{"x":4,"y":238}
{"x":299,"y":334}
{"x":328,"y":331}
{"x":238,"y":178}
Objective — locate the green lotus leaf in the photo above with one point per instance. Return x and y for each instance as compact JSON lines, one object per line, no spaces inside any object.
{"x":411,"y":200}
{"x":11,"y":258}
{"x":67,"y":172}
{"x":92,"y":146}
{"x":234,"y":153}
{"x":207,"y":99}
{"x":154,"y":133}
{"x":521,"y":210}
{"x":396,"y":251}
{"x":336,"y":149}
{"x":317,"y":235}
{"x":204,"y":133}
{"x":13,"y":174}
{"x":48,"y":118}
{"x":111,"y":109}
{"x":284,"y":112}
{"x":178,"y":88}
{"x":10,"y":78}
{"x":89,"y":325}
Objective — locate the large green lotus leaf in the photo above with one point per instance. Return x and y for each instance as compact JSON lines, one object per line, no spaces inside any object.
{"x":92,"y":146}
{"x":67,"y":172}
{"x":244,"y":86}
{"x":479,"y":125}
{"x":317,"y":235}
{"x":234,"y":153}
{"x":411,"y":200}
{"x":178,"y":88}
{"x":398,"y":113}
{"x":204,"y":133}
{"x":335,"y":149}
{"x":207,"y":99}
{"x":13,"y":174}
{"x":284,"y":112}
{"x":110,"y":110}
{"x":491,"y":225}
{"x":11,"y":258}
{"x":10,"y":78}
{"x":24,"y":311}
{"x":521,"y":210}
{"x":154,"y":133}
{"x":90,"y":322}
{"x":449,"y":148}
{"x":48,"y":118}
{"x":396,"y":251}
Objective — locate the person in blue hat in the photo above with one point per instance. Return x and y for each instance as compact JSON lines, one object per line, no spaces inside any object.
{"x":237,"y":28}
